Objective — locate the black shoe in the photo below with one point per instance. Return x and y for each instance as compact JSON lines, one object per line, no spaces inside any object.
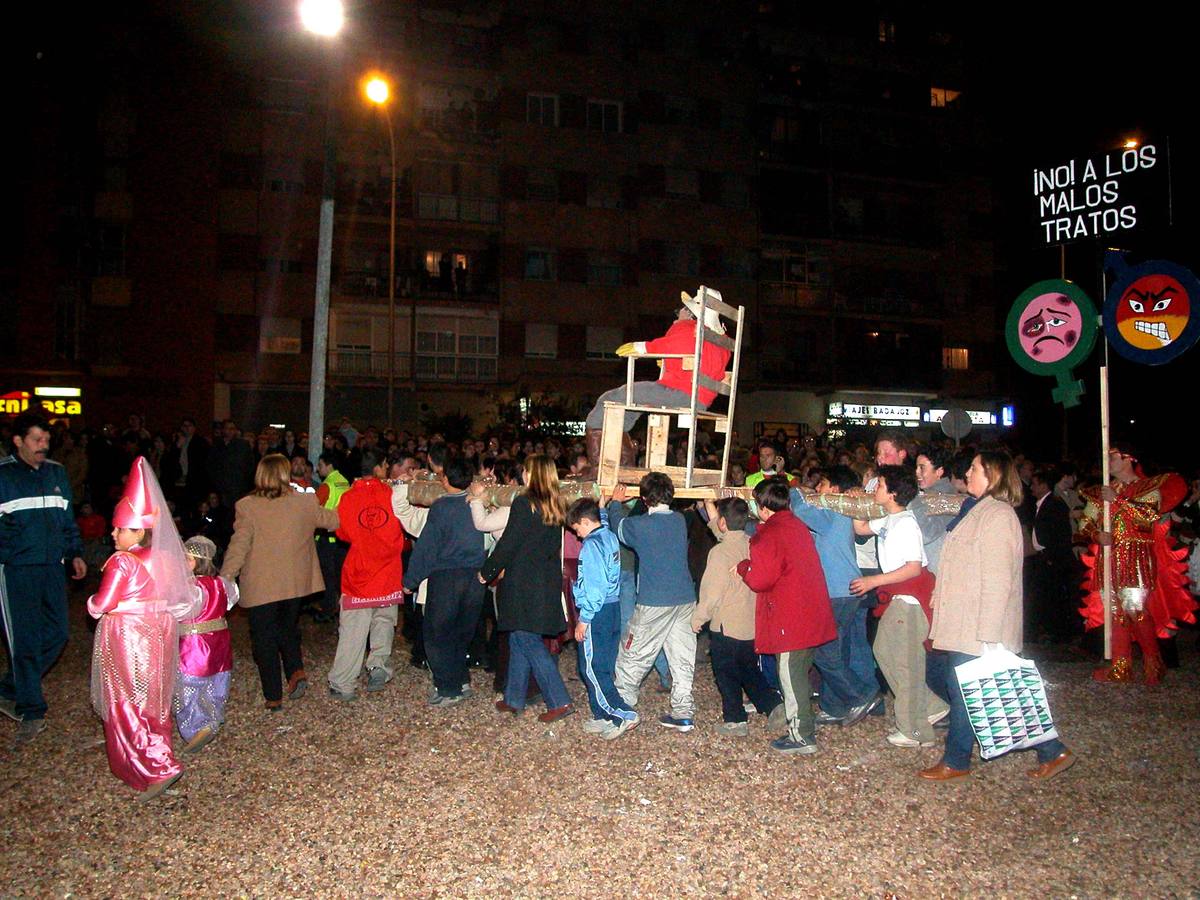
{"x":419,"y":663}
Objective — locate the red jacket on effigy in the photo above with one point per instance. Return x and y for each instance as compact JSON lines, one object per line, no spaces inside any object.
{"x":792,"y":611}
{"x":372,"y":574}
{"x":681,"y":338}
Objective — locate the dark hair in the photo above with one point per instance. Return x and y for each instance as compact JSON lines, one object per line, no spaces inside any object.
{"x":330,"y":458}
{"x":438,"y":455}
{"x":299,"y":454}
{"x":735,"y":511}
{"x":1046,"y":476}
{"x":938,"y":457}
{"x":1067,"y":469}
{"x":772,"y":494}
{"x":770,"y":442}
{"x":506,"y":470}
{"x":396,"y":457}
{"x":959,"y":463}
{"x":656,"y":488}
{"x":22,"y":424}
{"x":583,"y":508}
{"x":842,"y":477}
{"x":901,"y":483}
{"x":459,"y":472}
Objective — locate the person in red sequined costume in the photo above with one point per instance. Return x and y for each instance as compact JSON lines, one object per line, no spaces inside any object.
{"x":1150,"y":584}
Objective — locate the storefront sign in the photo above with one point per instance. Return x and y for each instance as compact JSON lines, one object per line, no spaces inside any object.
{"x":977,"y":416}
{"x":897,"y":414}
{"x":52,"y":401}
{"x":1102,"y":196}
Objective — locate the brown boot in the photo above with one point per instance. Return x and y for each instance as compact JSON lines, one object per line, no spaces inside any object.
{"x":628,"y":451}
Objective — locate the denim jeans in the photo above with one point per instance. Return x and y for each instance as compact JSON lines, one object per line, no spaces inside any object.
{"x":961,"y":739}
{"x":841,"y":686}
{"x":527,"y":652}
{"x":735,"y":668}
{"x":862,"y":658}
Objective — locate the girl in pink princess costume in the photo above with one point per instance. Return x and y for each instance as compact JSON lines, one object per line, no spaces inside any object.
{"x":144,"y":589}
{"x":205,"y":655}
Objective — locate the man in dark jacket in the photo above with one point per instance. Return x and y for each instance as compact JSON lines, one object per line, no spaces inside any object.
{"x":37,"y":533}
{"x":231,"y":465}
{"x":1052,"y":574}
{"x":450,"y":554}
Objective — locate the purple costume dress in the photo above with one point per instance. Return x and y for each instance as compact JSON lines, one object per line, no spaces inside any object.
{"x":205,"y":660}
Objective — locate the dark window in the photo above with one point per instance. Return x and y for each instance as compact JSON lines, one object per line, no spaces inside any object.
{"x":604,"y":115}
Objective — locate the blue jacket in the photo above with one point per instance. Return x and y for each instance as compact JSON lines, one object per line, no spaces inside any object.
{"x":37,"y":522}
{"x":660,"y":542}
{"x":449,"y":540}
{"x":833,"y":534}
{"x":599,"y":580}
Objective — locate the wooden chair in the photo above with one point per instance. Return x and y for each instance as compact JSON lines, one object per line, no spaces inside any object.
{"x":690,"y":482}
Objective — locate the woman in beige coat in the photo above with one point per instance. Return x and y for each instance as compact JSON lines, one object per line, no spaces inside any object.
{"x":275,"y":561}
{"x":977,"y":603}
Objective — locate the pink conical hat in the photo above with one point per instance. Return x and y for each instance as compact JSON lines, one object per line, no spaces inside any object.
{"x":136,"y":509}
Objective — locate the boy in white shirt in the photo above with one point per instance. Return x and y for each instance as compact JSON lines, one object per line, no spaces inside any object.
{"x":904,"y":626}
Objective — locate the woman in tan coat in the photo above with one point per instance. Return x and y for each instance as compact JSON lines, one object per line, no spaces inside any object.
{"x":275,"y":561}
{"x":977,"y":602}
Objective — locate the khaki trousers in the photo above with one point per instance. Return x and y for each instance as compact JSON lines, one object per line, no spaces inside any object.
{"x":900,"y":652}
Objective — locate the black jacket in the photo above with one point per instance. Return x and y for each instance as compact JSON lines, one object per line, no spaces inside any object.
{"x":530,"y":553}
{"x":1052,"y":527}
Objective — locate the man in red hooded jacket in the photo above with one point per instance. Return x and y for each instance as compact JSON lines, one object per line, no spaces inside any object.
{"x":793,"y":615}
{"x":372,"y":578}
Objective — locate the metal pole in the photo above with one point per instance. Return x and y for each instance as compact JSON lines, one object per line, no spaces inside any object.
{"x":316,"y":388}
{"x":391,"y":391}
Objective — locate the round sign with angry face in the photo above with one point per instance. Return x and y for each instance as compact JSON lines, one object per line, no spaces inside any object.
{"x":1148,"y":312}
{"x":1051,"y":327}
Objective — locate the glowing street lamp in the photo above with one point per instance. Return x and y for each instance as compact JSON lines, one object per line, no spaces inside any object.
{"x":323,"y":17}
{"x":378,"y":91}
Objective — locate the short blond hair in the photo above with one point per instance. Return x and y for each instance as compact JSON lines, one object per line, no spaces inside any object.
{"x":273,"y":476}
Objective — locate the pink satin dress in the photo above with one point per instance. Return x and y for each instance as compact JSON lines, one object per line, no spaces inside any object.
{"x":133,"y":671}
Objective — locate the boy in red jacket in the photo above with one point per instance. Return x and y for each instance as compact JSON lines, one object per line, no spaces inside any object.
{"x":792,"y":615}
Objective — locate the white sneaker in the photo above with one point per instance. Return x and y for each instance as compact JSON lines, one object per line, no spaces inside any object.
{"x":612,"y":732}
{"x":596,"y":726}
{"x":899,"y":739}
{"x":937,"y":717}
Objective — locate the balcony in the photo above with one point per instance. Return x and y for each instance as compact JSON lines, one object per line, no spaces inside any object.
{"x":368,"y":364}
{"x":372,"y":366}
{"x":793,"y":295}
{"x":452,"y":208}
{"x":371,"y":285}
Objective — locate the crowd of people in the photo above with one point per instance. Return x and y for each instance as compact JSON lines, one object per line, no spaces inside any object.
{"x":800,"y":602}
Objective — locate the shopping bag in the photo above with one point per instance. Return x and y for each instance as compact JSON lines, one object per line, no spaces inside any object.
{"x":1006,"y":702}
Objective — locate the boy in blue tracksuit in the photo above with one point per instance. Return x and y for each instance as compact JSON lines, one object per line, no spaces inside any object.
{"x":597,"y":597}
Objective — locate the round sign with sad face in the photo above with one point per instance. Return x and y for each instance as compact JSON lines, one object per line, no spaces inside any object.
{"x":1051,"y":327}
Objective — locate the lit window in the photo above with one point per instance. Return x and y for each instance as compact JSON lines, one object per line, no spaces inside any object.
{"x":887,"y":31}
{"x":940,"y":98}
{"x":957,"y":358}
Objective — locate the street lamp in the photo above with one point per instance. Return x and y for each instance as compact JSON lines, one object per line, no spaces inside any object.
{"x":324,"y":18}
{"x":379,"y":92}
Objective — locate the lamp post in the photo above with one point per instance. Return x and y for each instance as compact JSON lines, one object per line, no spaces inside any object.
{"x":324,"y":18}
{"x":379,"y":92}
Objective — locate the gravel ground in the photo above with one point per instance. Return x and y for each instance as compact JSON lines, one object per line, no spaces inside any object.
{"x":387,"y":797}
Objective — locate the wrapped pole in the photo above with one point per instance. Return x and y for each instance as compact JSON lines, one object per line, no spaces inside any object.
{"x":424,"y":489}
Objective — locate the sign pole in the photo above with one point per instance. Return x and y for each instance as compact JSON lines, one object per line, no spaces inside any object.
{"x":1105,"y":551}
